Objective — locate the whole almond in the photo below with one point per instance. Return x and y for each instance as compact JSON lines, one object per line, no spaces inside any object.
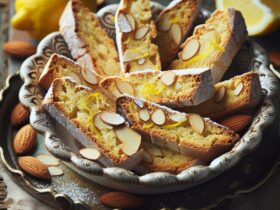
{"x":19,"y":49}
{"x":19,"y":115}
{"x":24,"y":139}
{"x":121,"y":200}
{"x":237,"y":122}
{"x":34,"y":167}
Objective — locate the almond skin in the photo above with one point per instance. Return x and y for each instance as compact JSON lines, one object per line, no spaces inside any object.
{"x":24,"y":139}
{"x":34,"y":167}
{"x":19,"y":115}
{"x":19,"y":49}
{"x":237,"y":122}
{"x":121,"y":200}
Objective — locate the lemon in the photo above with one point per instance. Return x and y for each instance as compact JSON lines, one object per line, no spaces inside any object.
{"x":261,"y":16}
{"x":40,"y":17}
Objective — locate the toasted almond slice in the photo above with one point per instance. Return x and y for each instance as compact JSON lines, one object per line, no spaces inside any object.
{"x":116,"y":92}
{"x":48,"y":160}
{"x":168,"y":77}
{"x":90,"y":153}
{"x":130,"y":139}
{"x":144,"y":115}
{"x":139,"y":102}
{"x":147,"y":157}
{"x":220,"y":94}
{"x":178,"y":117}
{"x":55,"y":171}
{"x":99,"y":123}
{"x":112,"y":118}
{"x":176,"y":33}
{"x":75,"y":77}
{"x":141,"y":32}
{"x":197,"y":123}
{"x":155,"y":151}
{"x":89,"y":77}
{"x":126,"y":23}
{"x":158,"y":117}
{"x":130,"y":55}
{"x":238,"y":89}
{"x":141,"y":61}
{"x":190,"y":49}
{"x":131,"y":21}
{"x":164,"y":24}
{"x":124,"y":87}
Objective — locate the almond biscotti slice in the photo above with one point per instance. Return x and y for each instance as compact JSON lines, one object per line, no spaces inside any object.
{"x":89,"y":43}
{"x":60,"y":66}
{"x":88,"y":115}
{"x":173,"y":24}
{"x":213,"y":44}
{"x":187,"y":134}
{"x":240,"y":94}
{"x":176,"y":88}
{"x":134,"y":33}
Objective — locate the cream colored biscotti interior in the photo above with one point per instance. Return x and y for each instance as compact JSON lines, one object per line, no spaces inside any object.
{"x":173,"y":24}
{"x":175,"y":88}
{"x":136,"y":50}
{"x":239,"y":94}
{"x":184,"y":133}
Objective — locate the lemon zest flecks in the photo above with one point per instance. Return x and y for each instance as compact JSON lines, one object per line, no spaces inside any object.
{"x":149,"y":89}
{"x":172,"y":125}
{"x":148,"y":125}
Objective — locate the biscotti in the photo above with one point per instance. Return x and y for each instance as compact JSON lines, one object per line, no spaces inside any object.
{"x":175,"y":88}
{"x":134,"y":33}
{"x":187,"y":134}
{"x":88,"y":115}
{"x":213,"y":44}
{"x":88,"y":42}
{"x":173,"y":24}
{"x":238,"y":95}
{"x":60,"y":66}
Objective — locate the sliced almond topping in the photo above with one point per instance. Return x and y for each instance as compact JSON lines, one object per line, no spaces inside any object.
{"x":168,"y":77}
{"x":130,"y":55}
{"x":144,"y":115}
{"x":75,"y":77}
{"x":131,"y":21}
{"x":158,"y":117}
{"x":141,"y":61}
{"x":164,"y":24}
{"x":90,"y":153}
{"x":55,"y":171}
{"x":112,"y":118}
{"x":116,"y":92}
{"x":178,"y":117}
{"x":126,"y":23}
{"x":238,"y":89}
{"x":147,"y":157}
{"x":141,"y":32}
{"x":139,"y":102}
{"x":176,"y":33}
{"x":155,"y":151}
{"x":190,"y":49}
{"x":48,"y":160}
{"x":124,"y":87}
{"x":197,"y":123}
{"x":220,"y":94}
{"x":99,"y":123}
{"x":89,"y":77}
{"x":130,"y":139}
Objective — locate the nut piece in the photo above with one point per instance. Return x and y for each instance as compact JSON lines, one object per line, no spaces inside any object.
{"x":124,"y":87}
{"x":130,"y":55}
{"x":130,"y":139}
{"x":24,"y":139}
{"x":238,"y":89}
{"x":164,"y":24}
{"x":89,"y":77}
{"x":48,"y":160}
{"x":168,"y":78}
{"x":144,"y":115}
{"x":75,"y":77}
{"x":34,"y":167}
{"x":190,"y":49}
{"x":141,"y":32}
{"x":147,"y":157}
{"x":19,"y":115}
{"x":55,"y":171}
{"x":197,"y":123}
{"x":220,"y":94}
{"x":112,"y":118}
{"x":155,"y":151}
{"x":99,"y":123}
{"x":126,"y":23}
{"x":158,"y":117}
{"x":19,"y":49}
{"x":141,"y":61}
{"x":176,"y":33}
{"x":178,"y":117}
{"x":237,"y":122}
{"x":90,"y":153}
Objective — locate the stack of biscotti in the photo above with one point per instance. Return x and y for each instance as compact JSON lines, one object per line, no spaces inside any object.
{"x":188,"y":134}
{"x":60,"y":66}
{"x":88,"y":115}
{"x":176,"y":88}
{"x":89,"y":43}
{"x":134,"y":33}
{"x":238,"y":95}
{"x":213,"y":44}
{"x":173,"y":24}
